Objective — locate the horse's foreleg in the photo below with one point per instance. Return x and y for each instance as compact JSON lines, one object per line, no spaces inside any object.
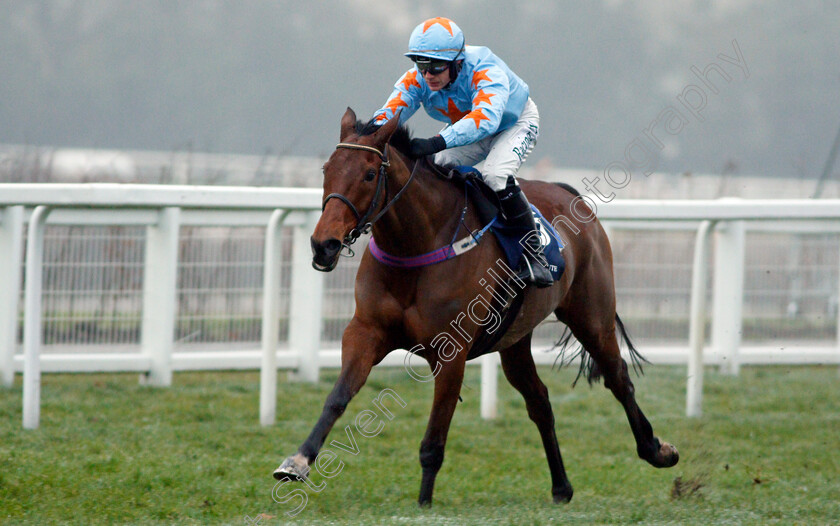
{"x":361,"y":347}
{"x":519,"y":368}
{"x":447,"y":388}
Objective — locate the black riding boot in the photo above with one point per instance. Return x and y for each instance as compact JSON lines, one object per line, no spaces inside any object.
{"x":517,"y":214}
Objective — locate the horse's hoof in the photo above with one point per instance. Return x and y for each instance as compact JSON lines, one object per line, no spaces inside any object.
{"x":667,"y":456}
{"x":562,"y":495}
{"x":660,"y":454}
{"x":293,"y":468}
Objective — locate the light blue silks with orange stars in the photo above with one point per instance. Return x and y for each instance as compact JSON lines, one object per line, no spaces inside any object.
{"x":486,"y":98}
{"x":437,"y":39}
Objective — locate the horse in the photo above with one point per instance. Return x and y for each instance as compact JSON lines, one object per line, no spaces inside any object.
{"x":411,"y":210}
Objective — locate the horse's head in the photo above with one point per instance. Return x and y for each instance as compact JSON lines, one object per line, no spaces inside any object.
{"x":355,"y":189}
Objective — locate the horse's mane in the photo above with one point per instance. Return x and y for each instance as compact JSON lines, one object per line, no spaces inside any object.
{"x":569,"y":188}
{"x":401,"y":139}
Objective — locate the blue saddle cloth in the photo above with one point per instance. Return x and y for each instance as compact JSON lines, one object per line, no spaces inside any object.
{"x":552,"y":245}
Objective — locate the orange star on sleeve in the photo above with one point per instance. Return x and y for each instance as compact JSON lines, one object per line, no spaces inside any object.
{"x":478,"y":76}
{"x":410,"y":79}
{"x":453,"y":112}
{"x":395,"y":103}
{"x":481,"y":96}
{"x":477,"y":116}
{"x":445,"y":22}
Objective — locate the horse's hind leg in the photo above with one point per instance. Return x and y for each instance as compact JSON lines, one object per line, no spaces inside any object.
{"x":518,"y":364}
{"x":600,"y":341}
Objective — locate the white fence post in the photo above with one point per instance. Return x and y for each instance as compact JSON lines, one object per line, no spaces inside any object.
{"x":32,"y":318}
{"x":697,"y":323}
{"x":11,"y":239}
{"x":305,"y":310}
{"x":489,"y":385}
{"x":271,"y":317}
{"x":160,"y":281}
{"x":728,"y":294}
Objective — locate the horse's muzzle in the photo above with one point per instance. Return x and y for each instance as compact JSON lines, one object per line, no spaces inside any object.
{"x":325,"y":254}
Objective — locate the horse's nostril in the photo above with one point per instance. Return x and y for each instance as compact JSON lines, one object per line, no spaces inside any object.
{"x":332,"y":245}
{"x":327,"y":248}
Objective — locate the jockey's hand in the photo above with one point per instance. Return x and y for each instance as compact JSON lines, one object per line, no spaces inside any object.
{"x":422,"y":147}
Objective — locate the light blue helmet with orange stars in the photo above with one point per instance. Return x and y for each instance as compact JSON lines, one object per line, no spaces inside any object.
{"x":436,"y":39}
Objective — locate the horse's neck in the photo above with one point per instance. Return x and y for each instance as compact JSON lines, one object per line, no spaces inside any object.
{"x":422,"y":217}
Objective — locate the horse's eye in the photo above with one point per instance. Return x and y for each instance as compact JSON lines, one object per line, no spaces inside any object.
{"x":370,"y":175}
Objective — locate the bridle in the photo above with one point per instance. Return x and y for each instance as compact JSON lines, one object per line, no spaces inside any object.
{"x":365,"y":222}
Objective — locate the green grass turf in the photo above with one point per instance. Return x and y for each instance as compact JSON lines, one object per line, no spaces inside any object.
{"x":110,"y":451}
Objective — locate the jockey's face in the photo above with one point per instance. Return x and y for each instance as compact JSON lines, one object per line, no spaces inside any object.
{"x":436,"y":82}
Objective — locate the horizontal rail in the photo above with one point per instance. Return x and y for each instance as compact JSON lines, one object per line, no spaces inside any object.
{"x":248,"y":359}
{"x":725,"y":209}
{"x":109,"y":195}
{"x":149,"y":216}
{"x":800,"y":226}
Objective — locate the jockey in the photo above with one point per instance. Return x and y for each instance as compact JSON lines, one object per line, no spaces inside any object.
{"x":489,"y":114}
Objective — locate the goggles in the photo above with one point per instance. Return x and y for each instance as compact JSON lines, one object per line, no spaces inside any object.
{"x":435,"y":67}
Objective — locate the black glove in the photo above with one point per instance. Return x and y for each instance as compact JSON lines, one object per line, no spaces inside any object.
{"x":422,"y":147}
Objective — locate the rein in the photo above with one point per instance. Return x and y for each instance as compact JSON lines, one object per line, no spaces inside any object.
{"x":364,"y":222}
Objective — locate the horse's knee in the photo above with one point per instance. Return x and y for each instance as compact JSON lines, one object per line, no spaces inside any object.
{"x":541,"y":392}
{"x":431,"y":456}
{"x":336,"y":403}
{"x":542,"y":417}
{"x":617,"y":379}
{"x":539,"y":407}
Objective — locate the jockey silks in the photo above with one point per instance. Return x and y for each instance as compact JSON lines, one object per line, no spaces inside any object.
{"x":486,"y":98}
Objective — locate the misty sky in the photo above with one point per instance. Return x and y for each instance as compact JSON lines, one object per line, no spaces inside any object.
{"x":660,"y":82}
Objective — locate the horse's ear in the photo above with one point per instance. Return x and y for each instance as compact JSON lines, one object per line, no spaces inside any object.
{"x":383,"y":134}
{"x":348,"y":123}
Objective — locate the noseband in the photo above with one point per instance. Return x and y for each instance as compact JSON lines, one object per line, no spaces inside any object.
{"x":364,"y":222}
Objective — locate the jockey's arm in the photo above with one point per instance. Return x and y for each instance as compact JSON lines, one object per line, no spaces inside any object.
{"x":489,"y":97}
{"x":405,"y":99}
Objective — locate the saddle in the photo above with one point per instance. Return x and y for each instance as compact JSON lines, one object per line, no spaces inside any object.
{"x":488,"y":208}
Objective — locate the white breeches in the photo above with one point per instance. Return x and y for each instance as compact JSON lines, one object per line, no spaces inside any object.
{"x":502,"y":153}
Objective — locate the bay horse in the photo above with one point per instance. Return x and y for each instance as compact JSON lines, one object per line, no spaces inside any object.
{"x":407,"y":308}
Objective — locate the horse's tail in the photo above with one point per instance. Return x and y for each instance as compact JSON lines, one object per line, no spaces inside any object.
{"x":636,"y":357}
{"x":588,"y":366}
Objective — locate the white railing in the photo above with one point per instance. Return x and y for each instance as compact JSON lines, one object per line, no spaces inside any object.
{"x":729,"y":216}
{"x":164,"y":209}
